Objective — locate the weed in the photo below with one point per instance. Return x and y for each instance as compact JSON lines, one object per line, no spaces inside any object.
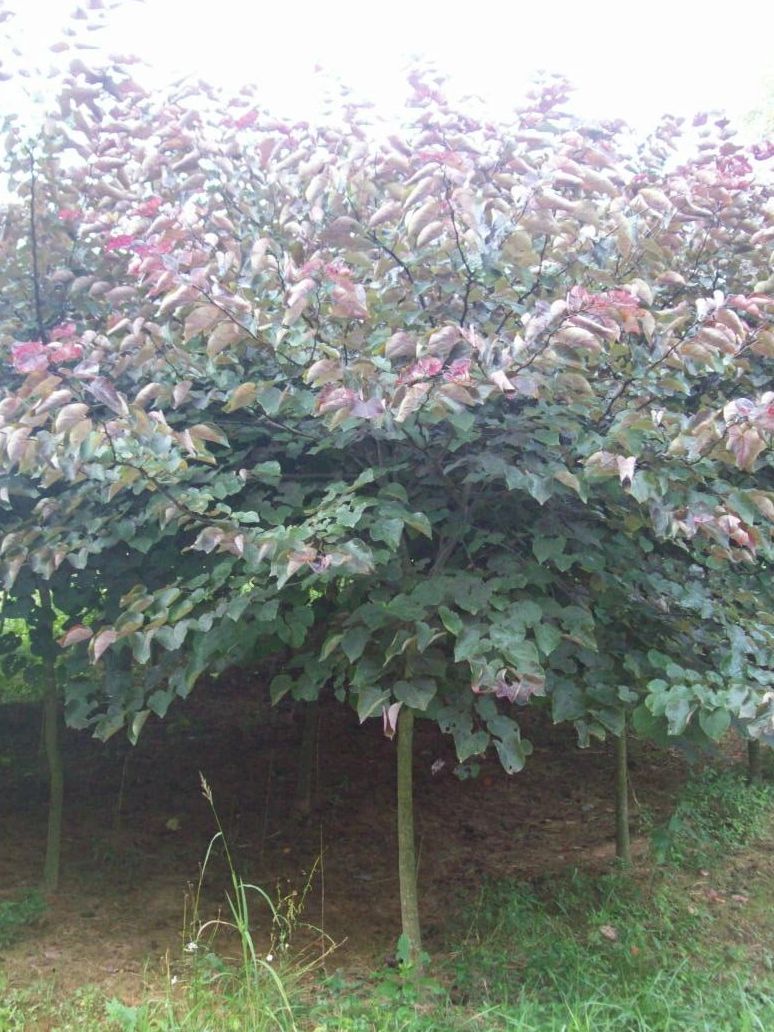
{"x":252,"y":995}
{"x":19,"y":913}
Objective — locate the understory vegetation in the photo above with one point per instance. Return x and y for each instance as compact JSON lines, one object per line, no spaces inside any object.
{"x":670,"y":947}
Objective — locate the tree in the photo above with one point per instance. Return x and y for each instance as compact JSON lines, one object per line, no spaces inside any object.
{"x":474,"y":385}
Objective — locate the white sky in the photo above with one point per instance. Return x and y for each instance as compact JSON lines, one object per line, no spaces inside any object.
{"x":634,"y":59}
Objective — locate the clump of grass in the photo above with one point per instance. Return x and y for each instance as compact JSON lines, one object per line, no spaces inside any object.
{"x":718,"y":811}
{"x":17,"y":914}
{"x":256,"y":991}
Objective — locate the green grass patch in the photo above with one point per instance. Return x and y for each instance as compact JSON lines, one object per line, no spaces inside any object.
{"x":17,"y":914}
{"x":717,"y":812}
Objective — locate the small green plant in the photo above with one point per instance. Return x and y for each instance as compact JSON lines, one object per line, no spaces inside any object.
{"x":717,"y":812}
{"x":16,"y":914}
{"x":262,"y":984}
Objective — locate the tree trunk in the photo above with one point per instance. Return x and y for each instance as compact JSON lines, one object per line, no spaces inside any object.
{"x":306,"y":761}
{"x":754,"y":768}
{"x":53,"y":753}
{"x":407,"y":862}
{"x":623,"y":849}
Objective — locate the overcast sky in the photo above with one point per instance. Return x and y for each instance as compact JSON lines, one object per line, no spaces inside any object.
{"x":631,"y":59}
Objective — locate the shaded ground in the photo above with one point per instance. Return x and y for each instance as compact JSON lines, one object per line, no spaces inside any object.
{"x":127,"y":876}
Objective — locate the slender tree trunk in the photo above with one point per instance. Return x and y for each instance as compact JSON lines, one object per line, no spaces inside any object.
{"x":623,"y":849}
{"x":754,"y":768}
{"x":407,"y":862}
{"x":271,"y":722}
{"x":306,"y":760}
{"x":52,"y":743}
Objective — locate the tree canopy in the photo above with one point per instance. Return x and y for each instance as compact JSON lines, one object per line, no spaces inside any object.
{"x":452,"y":416}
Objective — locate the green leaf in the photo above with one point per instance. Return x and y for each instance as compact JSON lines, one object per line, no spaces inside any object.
{"x":172,"y":637}
{"x":354,"y":642}
{"x":541,"y":488}
{"x":451,"y":621}
{"x":279,"y":687}
{"x":370,"y":701}
{"x":468,"y":644}
{"x":330,"y":643}
{"x":159,"y":701}
{"x":714,"y":724}
{"x":678,"y":712}
{"x":486,"y":707}
{"x":613,"y":720}
{"x":270,"y":400}
{"x":416,"y":693}
{"x":567,"y":702}
{"x":270,"y":470}
{"x":548,"y":637}
{"x":138,"y":722}
{"x":419,"y":522}
{"x":548,"y":548}
{"x":626,"y":694}
{"x":518,"y":652}
{"x":388,"y":530}
{"x":470,"y":743}
{"x":513,"y":752}
{"x":425,"y":635}
{"x":527,"y":612}
{"x":649,"y":726}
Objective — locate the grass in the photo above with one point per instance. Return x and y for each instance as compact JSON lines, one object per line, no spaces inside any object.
{"x":16,"y":914}
{"x":717,"y":812}
{"x":673,"y":948}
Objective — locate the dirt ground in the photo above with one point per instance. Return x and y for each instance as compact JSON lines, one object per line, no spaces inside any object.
{"x":137,"y":829}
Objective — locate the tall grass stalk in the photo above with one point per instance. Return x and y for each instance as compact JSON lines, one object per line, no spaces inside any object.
{"x":267,"y":980}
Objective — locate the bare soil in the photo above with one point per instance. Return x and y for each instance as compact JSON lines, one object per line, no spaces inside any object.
{"x":137,"y":828}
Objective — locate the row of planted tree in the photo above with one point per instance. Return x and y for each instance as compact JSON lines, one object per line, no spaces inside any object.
{"x":450,"y":417}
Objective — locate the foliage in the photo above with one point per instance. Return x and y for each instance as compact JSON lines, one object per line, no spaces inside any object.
{"x":457,"y":416}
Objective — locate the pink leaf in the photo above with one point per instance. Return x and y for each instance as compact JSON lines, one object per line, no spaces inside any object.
{"x":121,"y":242}
{"x":425,"y":367}
{"x":63,"y":331}
{"x":29,"y":356}
{"x":70,"y":351}
{"x":390,"y":719}
{"x":626,"y":469}
{"x":79,"y":632}
{"x":102,"y":642}
{"x":332,"y":398}
{"x":368,"y":408}
{"x":458,"y":371}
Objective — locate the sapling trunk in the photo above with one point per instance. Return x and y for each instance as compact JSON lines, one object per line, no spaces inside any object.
{"x":306,"y":760}
{"x":53,"y":751}
{"x":623,"y":848}
{"x":754,"y":765}
{"x":407,"y":861}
